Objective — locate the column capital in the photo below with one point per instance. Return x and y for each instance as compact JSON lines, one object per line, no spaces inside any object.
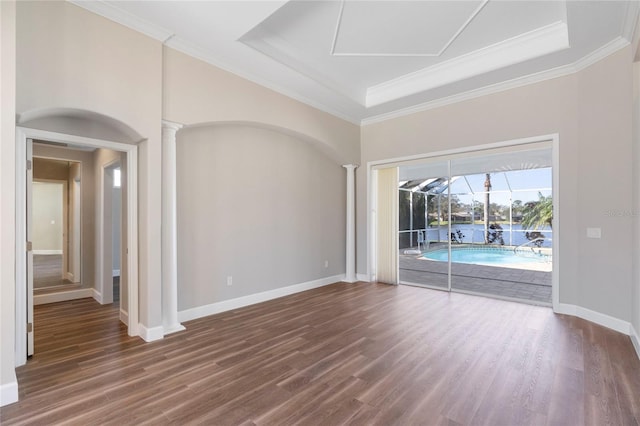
{"x":166,"y":124}
{"x":350,"y":166}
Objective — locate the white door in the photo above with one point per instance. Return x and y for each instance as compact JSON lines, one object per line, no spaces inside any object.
{"x":29,"y":248}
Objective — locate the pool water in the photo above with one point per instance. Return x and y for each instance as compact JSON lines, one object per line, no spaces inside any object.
{"x":485,"y":256}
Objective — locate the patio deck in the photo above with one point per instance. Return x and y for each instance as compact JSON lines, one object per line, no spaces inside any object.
{"x":528,"y":285}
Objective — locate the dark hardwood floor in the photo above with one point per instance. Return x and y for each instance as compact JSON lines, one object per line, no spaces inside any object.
{"x":342,"y":354}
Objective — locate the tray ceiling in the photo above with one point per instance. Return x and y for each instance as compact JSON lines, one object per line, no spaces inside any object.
{"x":368,"y":60}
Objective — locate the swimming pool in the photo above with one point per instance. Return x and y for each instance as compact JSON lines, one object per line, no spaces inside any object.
{"x":493,"y":256}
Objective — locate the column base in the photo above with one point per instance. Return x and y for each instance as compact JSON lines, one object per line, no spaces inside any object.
{"x":173,"y":328}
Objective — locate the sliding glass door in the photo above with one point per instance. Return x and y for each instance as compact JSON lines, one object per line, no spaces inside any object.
{"x":423,"y":223}
{"x":483,"y":227}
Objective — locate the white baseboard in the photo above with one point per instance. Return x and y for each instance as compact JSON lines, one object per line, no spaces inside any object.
{"x":124,"y":317}
{"x":227,"y":305}
{"x":81,"y":293}
{"x":635,"y":339}
{"x":363,"y":277}
{"x":9,"y":392}
{"x":96,"y":295}
{"x":595,"y":317}
{"x":150,"y":334}
{"x":47,"y":251}
{"x":116,"y":272}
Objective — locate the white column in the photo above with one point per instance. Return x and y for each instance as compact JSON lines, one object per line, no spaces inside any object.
{"x":351,"y":223}
{"x":169,"y":230}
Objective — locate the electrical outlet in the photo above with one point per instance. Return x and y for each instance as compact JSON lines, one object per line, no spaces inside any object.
{"x":326,"y":263}
{"x":594,"y":233}
{"x":229,"y":280}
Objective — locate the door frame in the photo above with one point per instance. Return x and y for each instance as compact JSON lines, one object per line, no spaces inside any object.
{"x":104,"y":265}
{"x":24,"y":133}
{"x":373,"y":166}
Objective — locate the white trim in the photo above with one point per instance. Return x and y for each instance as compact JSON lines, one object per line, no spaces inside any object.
{"x":169,"y":231}
{"x":464,"y":150}
{"x":604,"y":320}
{"x":151,"y":334}
{"x":533,"y":44}
{"x":9,"y":392}
{"x":472,"y":94}
{"x":47,"y":251}
{"x":115,"y":272}
{"x":635,"y":340}
{"x":600,"y":53}
{"x":24,"y":133}
{"x":125,"y":18}
{"x":557,"y":203}
{"x":227,"y":305}
{"x":351,"y":224}
{"x":21,"y":247}
{"x":61,"y":296}
{"x":362,"y":277}
{"x":198,"y":53}
{"x":168,"y":38}
{"x":124,"y":317}
{"x":165,"y":36}
{"x":502,"y":86}
{"x":97,"y":296}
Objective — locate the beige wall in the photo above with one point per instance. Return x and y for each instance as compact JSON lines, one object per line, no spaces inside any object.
{"x":47,"y":216}
{"x":71,"y":58}
{"x":116,"y":220}
{"x":196,"y":92}
{"x":104,"y":158}
{"x":258,"y":205}
{"x":8,"y":383}
{"x":590,"y":111}
{"x":605,"y":149}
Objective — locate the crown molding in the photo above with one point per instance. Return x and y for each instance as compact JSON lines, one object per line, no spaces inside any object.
{"x":600,"y":53}
{"x":472,"y":94}
{"x":113,"y":13}
{"x":533,"y":44}
{"x":595,"y":56}
{"x":156,"y":32}
{"x":106,"y":10}
{"x":203,"y":55}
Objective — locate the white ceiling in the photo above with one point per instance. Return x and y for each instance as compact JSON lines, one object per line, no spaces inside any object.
{"x":370,"y":60}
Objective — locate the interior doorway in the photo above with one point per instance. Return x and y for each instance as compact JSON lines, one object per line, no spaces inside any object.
{"x":24,"y":252}
{"x":56,"y":234}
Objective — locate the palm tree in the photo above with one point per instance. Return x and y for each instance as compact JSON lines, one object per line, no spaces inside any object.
{"x":539,"y":213}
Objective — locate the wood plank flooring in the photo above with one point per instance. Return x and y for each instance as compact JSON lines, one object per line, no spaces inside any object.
{"x":361,"y":354}
{"x":47,"y":271}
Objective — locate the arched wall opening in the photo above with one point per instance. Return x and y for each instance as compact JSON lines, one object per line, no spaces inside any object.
{"x":64,"y":131}
{"x":259,"y":209}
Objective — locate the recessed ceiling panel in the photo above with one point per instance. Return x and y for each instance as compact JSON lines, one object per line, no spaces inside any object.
{"x":367,"y":59}
{"x":401,"y":28}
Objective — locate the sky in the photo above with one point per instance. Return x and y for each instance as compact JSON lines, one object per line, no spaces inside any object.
{"x":525,"y":185}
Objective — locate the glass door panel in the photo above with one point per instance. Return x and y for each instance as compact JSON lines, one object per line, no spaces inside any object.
{"x":505,"y":249}
{"x":423,"y":224}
